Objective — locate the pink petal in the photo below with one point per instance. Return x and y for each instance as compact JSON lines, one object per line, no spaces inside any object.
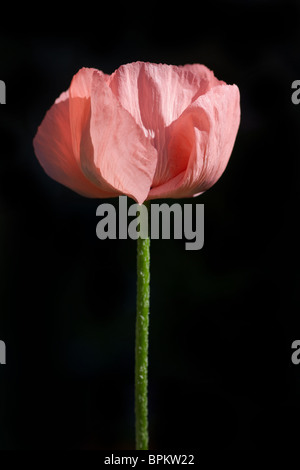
{"x":156,"y":95}
{"x":54,"y":150}
{"x":203,"y":74}
{"x":123,"y":156}
{"x":80,"y":105}
{"x":80,"y":116}
{"x":200,"y":143}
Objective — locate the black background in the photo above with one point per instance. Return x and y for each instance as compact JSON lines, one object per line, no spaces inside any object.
{"x":222,"y":319}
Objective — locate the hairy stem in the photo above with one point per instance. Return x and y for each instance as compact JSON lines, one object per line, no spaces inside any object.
{"x":141,"y":344}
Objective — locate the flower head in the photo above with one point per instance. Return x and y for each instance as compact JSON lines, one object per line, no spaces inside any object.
{"x":147,"y":131}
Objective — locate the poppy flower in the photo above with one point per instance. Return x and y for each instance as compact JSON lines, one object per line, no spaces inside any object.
{"x":146,"y":131}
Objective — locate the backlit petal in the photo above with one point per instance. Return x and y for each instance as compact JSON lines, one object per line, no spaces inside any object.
{"x":201,"y":140}
{"x":54,"y":150}
{"x":123,"y":156}
{"x":156,"y":95}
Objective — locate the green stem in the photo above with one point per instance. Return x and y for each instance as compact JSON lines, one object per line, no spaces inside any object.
{"x":141,"y":343}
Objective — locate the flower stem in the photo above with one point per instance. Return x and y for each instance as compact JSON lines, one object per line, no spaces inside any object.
{"x":141,"y":342}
